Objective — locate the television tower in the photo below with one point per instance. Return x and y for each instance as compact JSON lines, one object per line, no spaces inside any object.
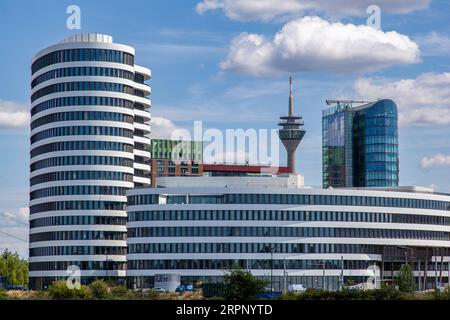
{"x":291,"y":132}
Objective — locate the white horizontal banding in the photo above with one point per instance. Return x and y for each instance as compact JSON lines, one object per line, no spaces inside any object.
{"x":143,"y":87}
{"x":102,"y":138}
{"x":147,"y":73}
{"x":290,"y":224}
{"x":47,"y":83}
{"x":96,"y":227}
{"x":142,"y":113}
{"x":254,"y":256}
{"x":143,"y":140}
{"x":92,"y":182}
{"x":91,"y":257}
{"x":142,"y":180}
{"x":89,"y":167}
{"x":87,"y":93}
{"x":83,"y":273}
{"x":145,"y":101}
{"x":141,"y":166}
{"x":74,"y":64}
{"x":55,"y":243}
{"x":142,"y":153}
{"x":106,"y":153}
{"x":90,"y":123}
{"x":99,"y":213}
{"x":79,"y":197}
{"x":273,"y":239}
{"x":83,"y":45}
{"x":87,"y":108}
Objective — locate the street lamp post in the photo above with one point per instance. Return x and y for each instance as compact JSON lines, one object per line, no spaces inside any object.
{"x":271,"y":269}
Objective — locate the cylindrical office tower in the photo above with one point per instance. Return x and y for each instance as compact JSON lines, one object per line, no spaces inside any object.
{"x":89,"y":118}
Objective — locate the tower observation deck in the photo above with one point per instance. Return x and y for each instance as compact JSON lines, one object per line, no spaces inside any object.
{"x":291,"y":132}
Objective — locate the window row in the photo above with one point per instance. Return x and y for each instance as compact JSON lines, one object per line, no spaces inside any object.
{"x":83,"y":71}
{"x":82,"y":115}
{"x":78,"y":235}
{"x":297,"y":232}
{"x":77,"y":205}
{"x":77,"y":250}
{"x":381,"y":175}
{"x":298,"y":199}
{"x":252,"y":248}
{"x":380,"y":157}
{"x":83,"y":54}
{"x":82,"y":101}
{"x":82,"y":86}
{"x":376,"y":131}
{"x":81,"y":131}
{"x":81,"y":160}
{"x":282,"y":215}
{"x":381,"y":139}
{"x":83,"y":265}
{"x":77,"y":220}
{"x":253,"y":264}
{"x":381,"y":148}
{"x":82,"y":145}
{"x":77,"y":190}
{"x":81,"y":175}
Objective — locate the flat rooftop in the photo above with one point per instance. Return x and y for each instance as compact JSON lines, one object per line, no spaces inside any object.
{"x":290,"y":181}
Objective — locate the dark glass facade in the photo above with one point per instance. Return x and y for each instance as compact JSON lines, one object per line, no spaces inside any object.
{"x":360,"y":145}
{"x":375,"y":145}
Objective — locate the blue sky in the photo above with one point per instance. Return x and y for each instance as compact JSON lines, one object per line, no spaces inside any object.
{"x":218,"y":61}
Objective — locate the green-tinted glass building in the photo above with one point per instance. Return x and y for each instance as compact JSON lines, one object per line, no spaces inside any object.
{"x":175,"y":158}
{"x":360,"y":145}
{"x":176,"y":149}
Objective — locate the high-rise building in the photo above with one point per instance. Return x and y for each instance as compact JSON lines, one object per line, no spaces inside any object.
{"x":89,"y":119}
{"x":360,"y":144}
{"x":291,"y":132}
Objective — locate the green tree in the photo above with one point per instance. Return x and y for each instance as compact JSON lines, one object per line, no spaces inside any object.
{"x":60,"y":290}
{"x":14,"y":268}
{"x":405,"y":279}
{"x":99,"y":289}
{"x":242,"y":285}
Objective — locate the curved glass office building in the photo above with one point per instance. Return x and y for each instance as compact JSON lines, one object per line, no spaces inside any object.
{"x":360,"y":145}
{"x":375,"y":143}
{"x":89,"y":118}
{"x":199,"y":227}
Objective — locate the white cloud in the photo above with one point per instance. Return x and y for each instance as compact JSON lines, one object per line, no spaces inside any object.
{"x":436,"y":161}
{"x":314,"y":44}
{"x":161,"y":128}
{"x":424,"y":100}
{"x":266,"y":10}
{"x":13,"y":114}
{"x":14,"y":230}
{"x":434,"y":44}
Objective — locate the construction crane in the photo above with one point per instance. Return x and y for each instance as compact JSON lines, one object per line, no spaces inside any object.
{"x":339,"y":102}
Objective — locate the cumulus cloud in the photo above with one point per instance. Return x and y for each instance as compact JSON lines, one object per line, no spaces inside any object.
{"x":434,"y":44}
{"x":436,"y":161}
{"x":162,"y":128}
{"x":314,"y":44}
{"x":266,"y":10}
{"x":13,"y":114}
{"x":422,"y":101}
